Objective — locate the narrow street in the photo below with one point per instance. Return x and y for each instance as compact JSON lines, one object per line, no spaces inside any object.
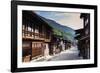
{"x":71,"y":54}
{"x":45,"y":38}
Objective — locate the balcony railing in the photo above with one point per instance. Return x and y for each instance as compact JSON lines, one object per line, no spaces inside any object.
{"x":35,"y":36}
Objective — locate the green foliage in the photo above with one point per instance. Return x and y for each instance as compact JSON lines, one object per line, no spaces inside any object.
{"x":57,"y":32}
{"x":64,"y":35}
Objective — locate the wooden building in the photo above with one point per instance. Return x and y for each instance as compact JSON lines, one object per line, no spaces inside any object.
{"x":36,"y":35}
{"x":40,"y":37}
{"x":59,"y":39}
{"x":83,"y":36}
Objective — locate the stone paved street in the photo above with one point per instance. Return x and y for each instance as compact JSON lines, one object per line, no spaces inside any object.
{"x":71,"y":54}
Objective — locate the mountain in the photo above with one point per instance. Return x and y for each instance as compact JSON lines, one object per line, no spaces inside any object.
{"x":67,"y":32}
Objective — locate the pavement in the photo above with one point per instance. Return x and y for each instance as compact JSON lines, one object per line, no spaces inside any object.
{"x":70,"y":54}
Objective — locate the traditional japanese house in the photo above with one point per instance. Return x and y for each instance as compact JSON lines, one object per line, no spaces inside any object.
{"x":83,"y":36}
{"x":57,"y":43}
{"x":36,"y":36}
{"x":59,"y":39}
{"x":42,"y":37}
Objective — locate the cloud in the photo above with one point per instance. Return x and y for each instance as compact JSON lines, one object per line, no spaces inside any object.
{"x":65,"y":18}
{"x":73,"y":21}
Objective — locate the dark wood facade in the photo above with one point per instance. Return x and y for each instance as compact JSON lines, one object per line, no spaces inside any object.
{"x":58,"y":44}
{"x":38,"y":38}
{"x":35,"y":34}
{"x":83,"y":36}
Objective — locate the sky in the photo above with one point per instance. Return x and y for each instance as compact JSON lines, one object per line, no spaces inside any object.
{"x":71,"y":20}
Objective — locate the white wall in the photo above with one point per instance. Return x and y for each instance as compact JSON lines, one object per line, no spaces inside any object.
{"x":5,"y":36}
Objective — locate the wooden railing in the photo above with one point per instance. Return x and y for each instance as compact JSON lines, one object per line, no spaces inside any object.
{"x":32,"y":35}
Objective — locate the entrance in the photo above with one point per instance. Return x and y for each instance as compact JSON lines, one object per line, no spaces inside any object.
{"x":37,"y":50}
